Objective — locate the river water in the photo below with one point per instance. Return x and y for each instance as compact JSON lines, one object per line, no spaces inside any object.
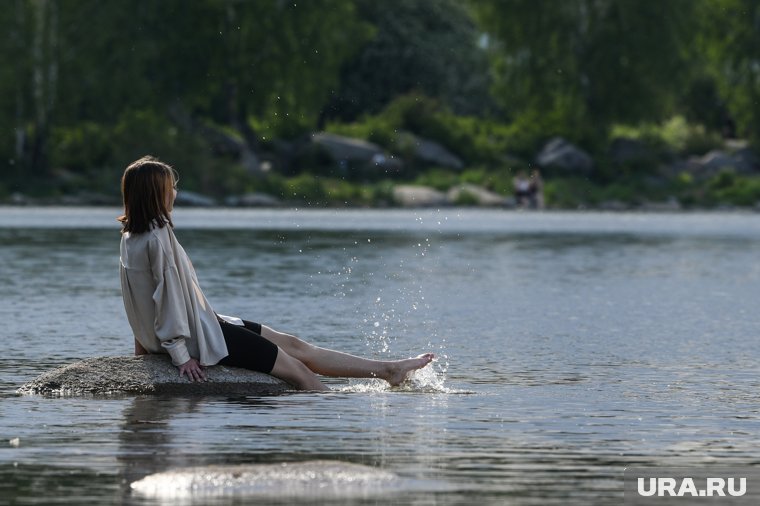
{"x":570,"y":345}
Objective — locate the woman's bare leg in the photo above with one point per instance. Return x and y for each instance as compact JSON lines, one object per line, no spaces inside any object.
{"x":295,"y":372}
{"x":335,"y":363}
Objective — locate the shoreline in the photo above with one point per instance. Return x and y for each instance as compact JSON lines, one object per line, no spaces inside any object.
{"x":649,"y":208}
{"x":366,"y":224}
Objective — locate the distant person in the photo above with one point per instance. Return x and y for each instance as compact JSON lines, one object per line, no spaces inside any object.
{"x":168,"y":312}
{"x":521,"y":185}
{"x":536,"y":190}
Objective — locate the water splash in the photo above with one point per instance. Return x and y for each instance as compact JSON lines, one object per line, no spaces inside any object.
{"x":425,"y":380}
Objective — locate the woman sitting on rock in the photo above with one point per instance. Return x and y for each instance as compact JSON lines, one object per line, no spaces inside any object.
{"x":168,"y":312}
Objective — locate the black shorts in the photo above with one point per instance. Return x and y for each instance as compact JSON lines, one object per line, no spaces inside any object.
{"x":247,"y":348}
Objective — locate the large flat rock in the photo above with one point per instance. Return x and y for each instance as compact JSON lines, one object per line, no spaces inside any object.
{"x":147,"y":374}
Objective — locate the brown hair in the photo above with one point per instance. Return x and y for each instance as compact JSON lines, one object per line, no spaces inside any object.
{"x":144,"y":188}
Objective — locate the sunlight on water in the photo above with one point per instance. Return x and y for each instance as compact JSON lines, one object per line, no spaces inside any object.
{"x":321,"y":479}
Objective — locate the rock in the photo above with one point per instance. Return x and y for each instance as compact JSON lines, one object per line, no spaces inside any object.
{"x":186,"y":198}
{"x":626,"y":151}
{"x":433,"y":153}
{"x":743,"y":161}
{"x":561,"y":154}
{"x":478,"y":194}
{"x":323,"y":479}
{"x":146,"y":374}
{"x":390,"y":164}
{"x":346,"y":148}
{"x":418,"y":196}
{"x":746,"y":160}
{"x":715,"y":160}
{"x":19,"y":199}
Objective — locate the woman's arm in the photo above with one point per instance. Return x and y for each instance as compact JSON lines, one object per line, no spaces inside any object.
{"x":139,"y":350}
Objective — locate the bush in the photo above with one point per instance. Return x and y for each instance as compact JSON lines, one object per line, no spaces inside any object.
{"x":571,"y":192}
{"x":341,"y":192}
{"x":466,"y":199}
{"x":475,"y":140}
{"x":94,"y":156}
{"x":496,"y":180}
{"x":675,"y":135}
{"x":728,"y":188}
{"x":306,"y":188}
{"x":440,"y":179}
{"x":80,"y":147}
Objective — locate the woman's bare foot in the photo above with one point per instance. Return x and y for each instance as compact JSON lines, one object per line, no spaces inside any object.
{"x":398,"y":370}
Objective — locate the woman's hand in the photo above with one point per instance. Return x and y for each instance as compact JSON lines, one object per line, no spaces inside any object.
{"x":193,"y":370}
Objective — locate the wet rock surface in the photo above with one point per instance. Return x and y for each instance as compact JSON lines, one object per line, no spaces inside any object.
{"x":146,"y":374}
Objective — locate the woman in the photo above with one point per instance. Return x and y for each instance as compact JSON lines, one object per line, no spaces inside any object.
{"x":168,"y":312}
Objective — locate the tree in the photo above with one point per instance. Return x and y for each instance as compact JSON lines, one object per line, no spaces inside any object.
{"x":29,"y":82}
{"x":731,"y":42}
{"x":281,"y":59}
{"x":586,"y":64}
{"x":96,"y":62}
{"x":428,"y":47}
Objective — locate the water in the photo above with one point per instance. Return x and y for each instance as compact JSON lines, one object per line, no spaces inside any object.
{"x":571,"y":346}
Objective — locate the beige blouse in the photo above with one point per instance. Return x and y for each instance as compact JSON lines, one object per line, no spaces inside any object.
{"x":165,"y":306}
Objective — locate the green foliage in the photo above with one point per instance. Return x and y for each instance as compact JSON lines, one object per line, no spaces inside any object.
{"x":440,"y":179}
{"x":729,"y":188}
{"x":305,"y":188}
{"x":675,"y":135}
{"x":729,"y":44}
{"x":476,"y":140}
{"x":570,"y":193}
{"x":687,"y":138}
{"x":466,"y":199}
{"x":316,"y":191}
{"x":417,"y":46}
{"x":94,"y":156}
{"x":587,"y":63}
{"x":577,"y":192}
{"x":89,"y":85}
{"x":496,"y":180}
{"x":80,"y":147}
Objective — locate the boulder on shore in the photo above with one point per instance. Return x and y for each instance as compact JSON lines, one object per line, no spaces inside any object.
{"x":477,"y":194}
{"x":346,"y":148}
{"x":560,"y":154}
{"x":418,"y":196}
{"x":743,"y":161}
{"x":433,"y":153}
{"x":193,"y":199}
{"x":147,"y":374}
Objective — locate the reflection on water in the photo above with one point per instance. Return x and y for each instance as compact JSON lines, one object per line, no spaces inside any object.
{"x":571,"y":346}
